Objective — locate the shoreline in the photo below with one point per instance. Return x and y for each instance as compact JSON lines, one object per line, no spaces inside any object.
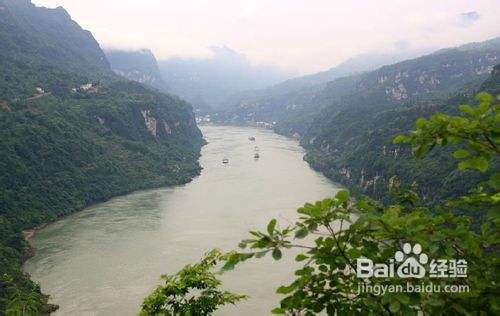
{"x":28,"y":235}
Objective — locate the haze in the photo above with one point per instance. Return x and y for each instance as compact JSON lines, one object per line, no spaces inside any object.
{"x":294,"y":35}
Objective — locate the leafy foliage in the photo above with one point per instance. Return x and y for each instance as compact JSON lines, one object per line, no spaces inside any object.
{"x":192,"y":291}
{"x":335,"y":232}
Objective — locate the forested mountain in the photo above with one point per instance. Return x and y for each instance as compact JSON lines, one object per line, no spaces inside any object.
{"x":347,"y":124}
{"x":139,"y":65}
{"x":295,"y":91}
{"x":73,"y":133}
{"x":294,"y":103}
{"x":351,"y":139}
{"x":208,"y":82}
{"x":57,"y":42}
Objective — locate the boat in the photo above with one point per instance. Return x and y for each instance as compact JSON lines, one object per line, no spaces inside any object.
{"x":256,"y":156}
{"x":225,"y":161}
{"x":256,"y":149}
{"x":251,"y":138}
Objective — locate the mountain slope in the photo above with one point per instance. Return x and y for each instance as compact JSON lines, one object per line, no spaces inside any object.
{"x":140,"y":66}
{"x":62,"y":43}
{"x":293,"y":107}
{"x":288,"y":98}
{"x":73,"y":133}
{"x":364,"y":158}
{"x":350,"y":140}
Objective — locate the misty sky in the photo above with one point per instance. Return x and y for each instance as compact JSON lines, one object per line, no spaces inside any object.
{"x":303,"y":36}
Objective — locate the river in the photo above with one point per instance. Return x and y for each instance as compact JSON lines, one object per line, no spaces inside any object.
{"x":105,"y":259}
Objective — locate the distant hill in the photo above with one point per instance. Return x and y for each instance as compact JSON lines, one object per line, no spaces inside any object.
{"x":208,"y":82}
{"x":73,"y":133}
{"x":347,"y":125}
{"x":291,"y":93}
{"x":139,"y":65}
{"x":428,"y":76}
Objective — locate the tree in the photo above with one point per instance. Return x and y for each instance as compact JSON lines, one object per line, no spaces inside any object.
{"x":192,"y":291}
{"x":344,"y":231}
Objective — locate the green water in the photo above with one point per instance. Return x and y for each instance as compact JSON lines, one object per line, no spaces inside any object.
{"x":107,"y":258}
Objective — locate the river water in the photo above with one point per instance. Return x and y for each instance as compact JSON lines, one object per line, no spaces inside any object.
{"x":107,"y":258}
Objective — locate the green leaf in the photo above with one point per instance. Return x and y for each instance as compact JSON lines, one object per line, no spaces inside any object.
{"x":342,"y":195}
{"x":478,"y":162}
{"x":400,"y":139}
{"x":284,"y":289}
{"x":301,"y":257}
{"x":464,"y":108}
{"x":277,"y":254}
{"x":271,"y":226}
{"x":301,"y":233}
{"x":421,"y":150}
{"x":461,"y":153}
{"x":278,"y":311}
{"x":421,"y":122}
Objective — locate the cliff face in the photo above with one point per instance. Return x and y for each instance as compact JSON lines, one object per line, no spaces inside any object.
{"x":140,"y":66}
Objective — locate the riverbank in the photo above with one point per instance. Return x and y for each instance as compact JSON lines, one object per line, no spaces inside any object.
{"x":28,"y":235}
{"x":107,"y":258}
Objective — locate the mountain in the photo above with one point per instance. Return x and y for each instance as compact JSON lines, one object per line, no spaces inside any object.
{"x":350,"y":139}
{"x":140,"y":66}
{"x":63,"y":42}
{"x":73,"y":133}
{"x":352,"y":66}
{"x":293,"y":104}
{"x":208,"y":82}
{"x":347,"y":125}
{"x":271,"y":103}
{"x":354,"y":147}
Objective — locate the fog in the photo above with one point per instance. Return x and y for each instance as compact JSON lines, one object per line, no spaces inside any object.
{"x":296,"y":35}
{"x":206,"y":82}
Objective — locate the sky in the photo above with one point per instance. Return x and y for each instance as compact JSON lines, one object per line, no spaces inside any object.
{"x":302,"y":36}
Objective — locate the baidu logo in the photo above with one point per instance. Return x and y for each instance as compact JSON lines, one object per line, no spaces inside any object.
{"x":411,"y":262}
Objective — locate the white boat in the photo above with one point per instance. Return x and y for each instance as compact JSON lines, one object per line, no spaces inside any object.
{"x":251,"y":138}
{"x":256,"y":156}
{"x":225,"y":160}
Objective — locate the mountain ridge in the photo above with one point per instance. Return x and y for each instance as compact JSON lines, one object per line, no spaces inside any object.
{"x":73,"y":133}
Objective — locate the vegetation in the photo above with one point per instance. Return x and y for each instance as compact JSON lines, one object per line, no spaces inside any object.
{"x":88,"y":136}
{"x":346,"y":125}
{"x":62,"y":153}
{"x":176,"y":296}
{"x":353,"y":147}
{"x":342,"y":230}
